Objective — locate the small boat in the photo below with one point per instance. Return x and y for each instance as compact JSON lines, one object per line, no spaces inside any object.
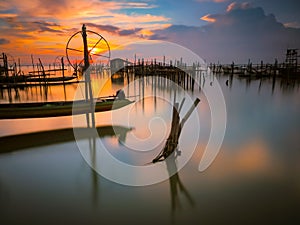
{"x":12,"y":79}
{"x":60,"y":108}
{"x":50,"y":79}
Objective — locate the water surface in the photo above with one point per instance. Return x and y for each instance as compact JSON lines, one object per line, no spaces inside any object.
{"x":253,"y":180}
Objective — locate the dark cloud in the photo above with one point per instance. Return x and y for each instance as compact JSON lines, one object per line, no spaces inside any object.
{"x":286,"y":11}
{"x":20,"y":26}
{"x":129,"y":32}
{"x":42,"y":26}
{"x":107,"y":28}
{"x":44,"y":23}
{"x":241,"y":33}
{"x":4,"y":41}
{"x":114,"y":30}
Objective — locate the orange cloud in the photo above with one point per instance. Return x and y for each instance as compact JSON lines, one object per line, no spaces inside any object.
{"x":235,"y":5}
{"x":29,"y":30}
{"x":217,"y":1}
{"x":146,"y":32}
{"x":208,"y":18}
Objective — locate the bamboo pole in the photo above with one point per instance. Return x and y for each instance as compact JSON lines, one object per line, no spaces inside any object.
{"x":86,"y":69}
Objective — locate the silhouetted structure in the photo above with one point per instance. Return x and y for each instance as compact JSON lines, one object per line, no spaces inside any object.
{"x":286,"y":70}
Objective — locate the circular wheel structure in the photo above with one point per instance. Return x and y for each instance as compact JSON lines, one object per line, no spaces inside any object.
{"x":98,"y":48}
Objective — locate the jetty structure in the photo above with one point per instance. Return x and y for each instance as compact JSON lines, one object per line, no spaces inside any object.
{"x":188,"y":76}
{"x":87,"y":106}
{"x":290,"y":68}
{"x":11,"y":74}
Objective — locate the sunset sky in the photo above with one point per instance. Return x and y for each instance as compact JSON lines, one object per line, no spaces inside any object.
{"x":216,"y":30}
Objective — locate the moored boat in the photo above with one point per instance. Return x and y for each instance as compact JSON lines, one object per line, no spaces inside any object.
{"x":50,"y":79}
{"x":60,"y":108}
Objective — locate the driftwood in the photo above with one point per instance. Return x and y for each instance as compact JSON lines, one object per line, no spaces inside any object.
{"x":176,"y":127}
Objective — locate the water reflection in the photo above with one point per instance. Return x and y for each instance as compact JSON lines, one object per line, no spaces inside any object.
{"x":253,"y":180}
{"x":177,"y":188}
{"x":43,"y":138}
{"x":274,"y":84}
{"x":94,"y":176}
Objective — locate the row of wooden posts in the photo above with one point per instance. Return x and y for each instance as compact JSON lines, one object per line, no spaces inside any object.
{"x":267,"y":70}
{"x":186,"y":78}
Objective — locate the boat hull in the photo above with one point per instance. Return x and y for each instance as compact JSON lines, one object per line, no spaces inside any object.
{"x":55,"y":109}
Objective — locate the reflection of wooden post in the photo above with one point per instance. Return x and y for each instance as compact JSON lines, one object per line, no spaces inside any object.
{"x":176,"y":186}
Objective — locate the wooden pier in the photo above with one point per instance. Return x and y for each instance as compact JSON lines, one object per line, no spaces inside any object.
{"x":289,"y":69}
{"x":185,"y":76}
{"x":11,"y":75}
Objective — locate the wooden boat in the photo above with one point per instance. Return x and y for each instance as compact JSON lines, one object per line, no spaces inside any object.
{"x":12,"y":79}
{"x":24,"y":80}
{"x":64,"y":108}
{"x":60,"y":108}
{"x":50,"y":79}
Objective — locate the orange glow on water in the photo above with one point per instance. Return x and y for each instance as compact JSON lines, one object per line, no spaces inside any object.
{"x":250,"y":158}
{"x":253,"y":157}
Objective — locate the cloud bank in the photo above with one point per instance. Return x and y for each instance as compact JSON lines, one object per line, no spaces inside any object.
{"x":243,"y":32}
{"x":3,"y":41}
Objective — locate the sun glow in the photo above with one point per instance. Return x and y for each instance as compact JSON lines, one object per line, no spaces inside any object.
{"x":95,"y":50}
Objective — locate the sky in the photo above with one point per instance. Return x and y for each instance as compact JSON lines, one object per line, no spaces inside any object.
{"x":216,"y":30}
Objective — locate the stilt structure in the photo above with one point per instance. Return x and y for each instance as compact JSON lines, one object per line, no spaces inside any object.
{"x":88,"y":85}
{"x":291,"y":61}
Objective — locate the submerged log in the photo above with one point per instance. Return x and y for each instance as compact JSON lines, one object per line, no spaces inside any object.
{"x":176,"y":127}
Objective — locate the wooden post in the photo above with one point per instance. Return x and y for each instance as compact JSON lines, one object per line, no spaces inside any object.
{"x":5,"y":64}
{"x":19,"y":63}
{"x":43,"y":70}
{"x":86,"y":70}
{"x":63,"y":68}
{"x":32,"y":63}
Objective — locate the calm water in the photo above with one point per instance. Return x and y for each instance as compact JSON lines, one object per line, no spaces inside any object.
{"x":254,"y":179}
